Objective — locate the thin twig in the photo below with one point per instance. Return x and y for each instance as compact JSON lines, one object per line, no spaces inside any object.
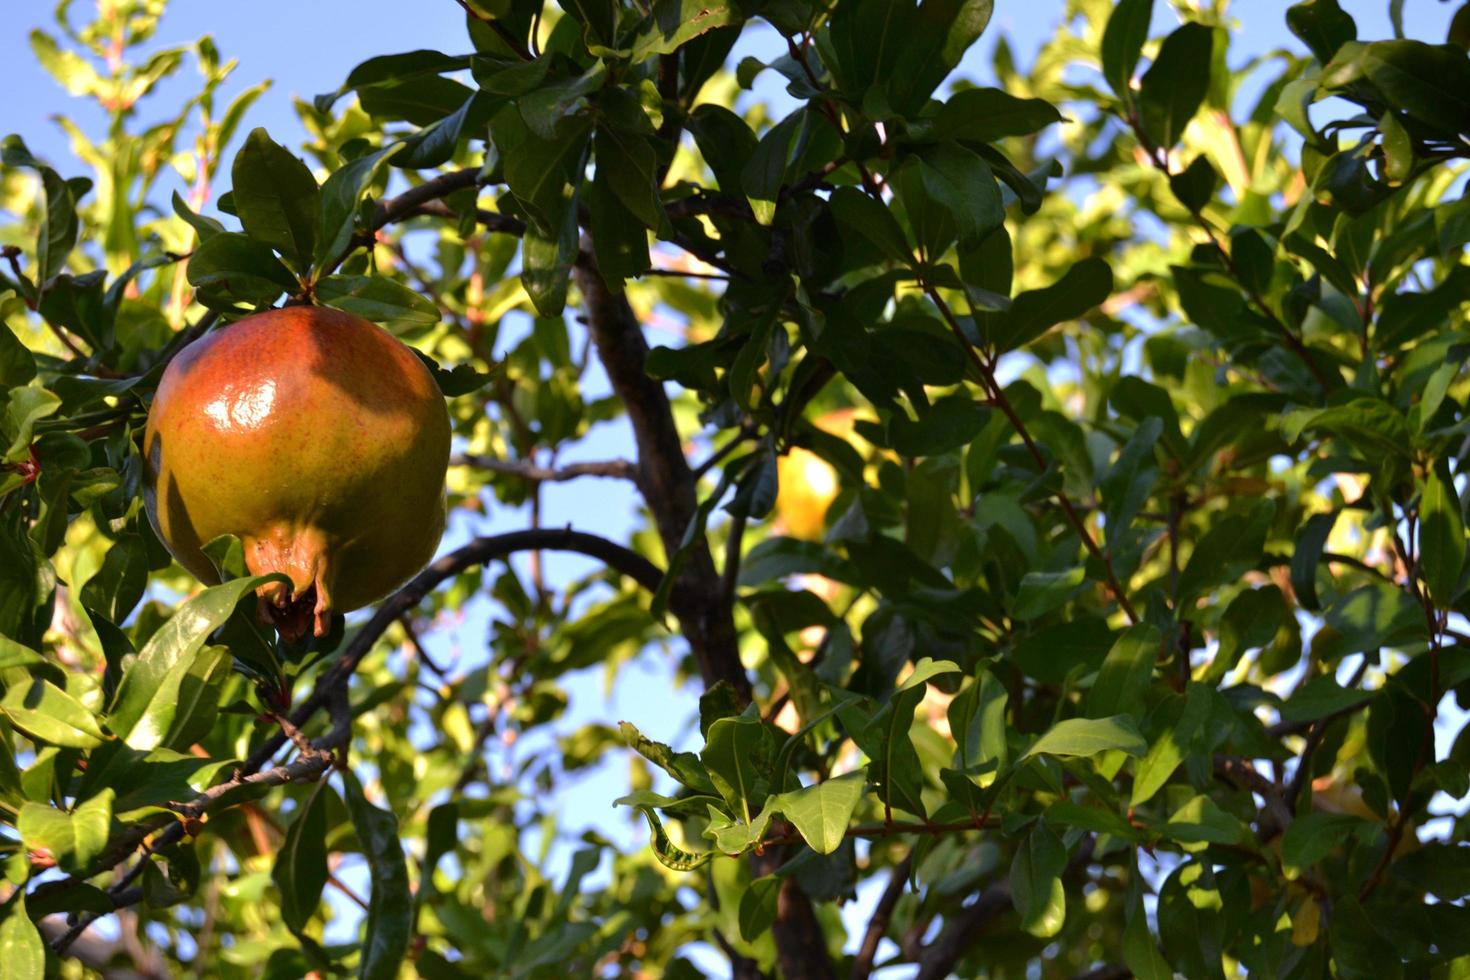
{"x":418,"y":648}
{"x":998,"y":398}
{"x":511,"y":41}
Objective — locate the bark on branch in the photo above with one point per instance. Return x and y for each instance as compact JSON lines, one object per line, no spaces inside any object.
{"x":664,"y":476}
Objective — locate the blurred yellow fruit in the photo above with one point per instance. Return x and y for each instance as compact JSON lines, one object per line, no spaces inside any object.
{"x":808,"y":487}
{"x":809,"y":483}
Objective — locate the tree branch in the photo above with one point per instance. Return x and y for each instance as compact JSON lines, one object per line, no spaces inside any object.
{"x":998,"y":398}
{"x":665,"y":478}
{"x":477,"y":552}
{"x":862,"y":964}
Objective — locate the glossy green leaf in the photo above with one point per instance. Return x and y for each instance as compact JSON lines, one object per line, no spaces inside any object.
{"x":377,"y":298}
{"x":231,"y":268}
{"x":1124,"y":676}
{"x":49,"y":715}
{"x":822,"y":812}
{"x":985,"y":115}
{"x":1036,"y":882}
{"x":147,"y":701}
{"x":733,"y":754}
{"x":1086,"y":737}
{"x":1441,"y":535}
{"x":390,"y":907}
{"x":1172,"y":89}
{"x":300,"y":869}
{"x":1122,"y":43}
{"x":72,"y":838}
{"x":22,"y":953}
{"x":276,"y":198}
{"x":1033,"y":313}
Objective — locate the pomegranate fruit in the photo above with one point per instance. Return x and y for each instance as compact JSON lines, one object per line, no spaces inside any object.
{"x":315,"y":437}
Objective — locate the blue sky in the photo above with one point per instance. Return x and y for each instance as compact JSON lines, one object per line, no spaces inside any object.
{"x":307,"y":47}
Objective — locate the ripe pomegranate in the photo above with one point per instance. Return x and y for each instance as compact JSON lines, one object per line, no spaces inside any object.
{"x":315,"y":437}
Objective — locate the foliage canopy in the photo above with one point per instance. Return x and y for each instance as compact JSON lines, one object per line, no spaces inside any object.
{"x":1131,"y":636}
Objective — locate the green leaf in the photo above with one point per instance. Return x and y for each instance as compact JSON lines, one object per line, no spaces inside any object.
{"x":630,"y":166}
{"x":951,"y":422}
{"x":1171,"y":746}
{"x":619,"y":239}
{"x":676,"y":22}
{"x":1313,"y":836}
{"x":984,"y":115}
{"x":1440,"y":868}
{"x":1251,"y":620}
{"x":22,"y":953}
{"x":1086,"y":737}
{"x":390,"y":69}
{"x":390,"y":906}
{"x":870,"y":219}
{"x":1320,"y":697}
{"x":1200,"y":820}
{"x":1122,"y":43}
{"x":1041,"y":592}
{"x":23,"y":409}
{"x":822,"y":812}
{"x":1322,"y":25}
{"x":49,"y":715}
{"x":732,"y":754}
{"x":1441,"y":535}
{"x":1172,"y":89}
{"x":1124,"y":676}
{"x":1036,"y":882}
{"x":1140,"y":949}
{"x":59,"y":228}
{"x":977,"y":718}
{"x":960,"y":181}
{"x":895,"y":770}
{"x":933,"y":40}
{"x":276,"y":198}
{"x":378,"y":299}
{"x":340,"y":195}
{"x":1306,"y":555}
{"x":231,"y":268}
{"x":765,"y":171}
{"x":13,"y":654}
{"x":74,"y":839}
{"x":1429,"y":81}
{"x":547,"y":264}
{"x":147,"y":701}
{"x":1033,"y":313}
{"x":205,"y":227}
{"x":17,"y":363}
{"x":1195,"y":185}
{"x":1229,"y":547}
{"x":683,"y":766}
{"x":669,"y":854}
{"x":119,"y":584}
{"x":300,"y":870}
{"x":758,"y":907}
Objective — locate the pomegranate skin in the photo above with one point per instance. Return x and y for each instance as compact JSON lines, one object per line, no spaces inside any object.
{"x":315,"y":437}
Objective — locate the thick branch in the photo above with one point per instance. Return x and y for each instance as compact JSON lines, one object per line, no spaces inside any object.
{"x":664,"y":476}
